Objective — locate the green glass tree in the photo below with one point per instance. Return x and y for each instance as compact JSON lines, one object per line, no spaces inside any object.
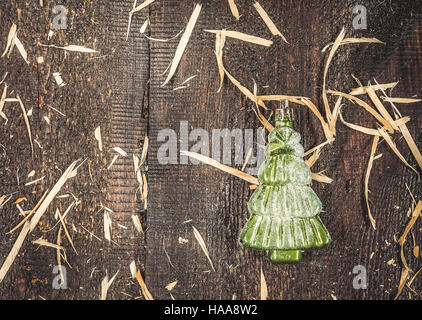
{"x":284,"y":209}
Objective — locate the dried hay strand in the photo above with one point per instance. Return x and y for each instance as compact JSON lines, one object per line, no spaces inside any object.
{"x":243,"y":37}
{"x":368,"y":172}
{"x":183,"y":43}
{"x":354,"y":40}
{"x":145,"y":292}
{"x":233,"y":9}
{"x":203,"y":246}
{"x":267,"y":20}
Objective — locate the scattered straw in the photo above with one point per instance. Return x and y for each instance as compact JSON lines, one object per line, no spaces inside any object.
{"x":183,"y":42}
{"x":411,"y":143}
{"x":318,"y":176}
{"x":143,"y":5}
{"x":362,"y":90}
{"x":105,"y":285}
{"x":327,"y":65}
{"x":202,"y":245}
{"x":28,"y":127}
{"x":72,"y":47}
{"x":393,"y":146}
{"x":14,"y":252}
{"x":10,"y":38}
{"x":52,"y":194}
{"x":120,"y":151}
{"x":171,"y":285}
{"x":219,"y":45}
{"x":270,"y":24}
{"x":137,"y":223}
{"x":366,"y":106}
{"x":264,"y":289}
{"x":403,"y":278}
{"x":97,"y":134}
{"x":368,"y":172}
{"x":377,"y":102}
{"x":400,"y":100}
{"x":64,"y":225}
{"x":107,"y":226}
{"x":31,"y":213}
{"x":145,"y":292}
{"x":218,"y":165}
{"x":44,"y":243}
{"x":355,"y":40}
{"x":58,"y":254}
{"x":370,"y":131}
{"x":34,"y":181}
{"x":233,"y":9}
{"x":243,"y":37}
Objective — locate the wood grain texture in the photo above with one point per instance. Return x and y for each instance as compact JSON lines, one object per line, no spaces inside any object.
{"x":120,"y":90}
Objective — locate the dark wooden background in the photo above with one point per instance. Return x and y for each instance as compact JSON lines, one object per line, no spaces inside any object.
{"x":119,"y":89}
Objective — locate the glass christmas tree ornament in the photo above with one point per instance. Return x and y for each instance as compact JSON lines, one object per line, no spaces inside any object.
{"x":284,"y":210}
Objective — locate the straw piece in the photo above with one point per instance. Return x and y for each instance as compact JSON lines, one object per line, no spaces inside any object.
{"x":243,"y":37}
{"x":403,"y":278}
{"x":219,"y":45}
{"x":45,"y":243}
{"x":10,"y":37}
{"x":130,"y":20}
{"x":218,"y":165}
{"x":30,"y":214}
{"x":415,"y":215}
{"x":321,"y":178}
{"x":313,"y":158}
{"x":362,"y":90}
{"x":245,"y":90}
{"x":107,"y":226}
{"x":354,"y":40}
{"x":2,"y":102}
{"x":105,"y":285}
{"x":97,"y":134}
{"x":51,"y":195}
{"x":28,"y":127}
{"x":120,"y":151}
{"x":64,"y":225}
{"x":58,"y":254}
{"x":264,"y":289}
{"x":233,"y":9}
{"x":356,"y":127}
{"x":368,"y":172}
{"x":112,"y":161}
{"x":14,"y":252}
{"x":270,"y":24}
{"x":72,"y":47}
{"x":137,"y":223}
{"x":317,"y":147}
{"x":145,"y":292}
{"x":183,"y":42}
{"x":324,"y":86}
{"x":21,"y":49}
{"x":393,"y":146}
{"x":327,"y":132}
{"x":411,"y":143}
{"x":377,"y":102}
{"x":170,"y":286}
{"x":144,"y":4}
{"x":132,"y":268}
{"x":400,"y":100}
{"x":202,"y":245}
{"x":366,"y":106}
